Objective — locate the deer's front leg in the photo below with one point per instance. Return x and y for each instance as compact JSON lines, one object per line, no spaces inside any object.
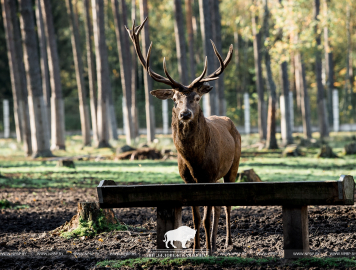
{"x":207,"y":225}
{"x":196,"y":222}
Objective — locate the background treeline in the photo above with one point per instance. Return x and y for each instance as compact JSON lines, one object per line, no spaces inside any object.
{"x":285,"y":22}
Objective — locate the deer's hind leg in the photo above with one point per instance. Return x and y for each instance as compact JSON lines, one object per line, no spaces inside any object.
{"x":231,"y":177}
{"x":216,"y":216}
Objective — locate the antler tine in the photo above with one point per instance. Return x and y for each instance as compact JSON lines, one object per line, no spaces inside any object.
{"x":213,"y":76}
{"x":134,"y":33}
{"x":176,"y":84}
{"x":223,"y":64}
{"x":202,"y":75}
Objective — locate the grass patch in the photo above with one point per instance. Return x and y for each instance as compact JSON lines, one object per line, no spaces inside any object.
{"x":5,"y":204}
{"x":268,"y":164}
{"x":229,"y":261}
{"x":221,"y":261}
{"x":326,"y":262}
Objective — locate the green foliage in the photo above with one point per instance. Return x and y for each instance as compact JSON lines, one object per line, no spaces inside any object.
{"x":4,"y":204}
{"x":90,"y":228}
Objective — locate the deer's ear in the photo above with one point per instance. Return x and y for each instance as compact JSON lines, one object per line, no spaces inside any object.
{"x":163,"y":93}
{"x":204,"y":89}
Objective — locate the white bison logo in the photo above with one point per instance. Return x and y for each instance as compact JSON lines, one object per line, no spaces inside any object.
{"x":182,"y":234}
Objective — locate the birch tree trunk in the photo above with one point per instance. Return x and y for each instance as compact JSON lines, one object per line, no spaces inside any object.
{"x":209,"y":100}
{"x":323,"y":123}
{"x":37,"y":108}
{"x":83,"y":106}
{"x":271,"y":141}
{"x":134,"y":112}
{"x":91,"y":70}
{"x":329,"y":67}
{"x":188,"y":8}
{"x":44,"y":61}
{"x":18,"y":81}
{"x":219,"y":84}
{"x":103,"y":78}
{"x":57,"y":102}
{"x":125,"y":63}
{"x":262,"y":127}
{"x":150,"y":121}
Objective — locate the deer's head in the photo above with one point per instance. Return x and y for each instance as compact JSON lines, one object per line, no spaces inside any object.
{"x":186,"y":98}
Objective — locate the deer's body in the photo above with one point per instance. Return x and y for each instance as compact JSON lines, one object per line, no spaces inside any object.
{"x":208,"y":148}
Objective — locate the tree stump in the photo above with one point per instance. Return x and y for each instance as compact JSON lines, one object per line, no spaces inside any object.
{"x":124,"y":149}
{"x":350,"y":149}
{"x":248,"y":176}
{"x":327,"y":152}
{"x":292,"y":151}
{"x":66,"y":163}
{"x":89,"y":220}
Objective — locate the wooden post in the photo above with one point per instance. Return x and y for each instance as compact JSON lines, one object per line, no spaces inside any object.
{"x":336,"y":110}
{"x":295,"y":230}
{"x":168,"y":218}
{"x":165,"y":116}
{"x":247,"y":113}
{"x":6,"y":118}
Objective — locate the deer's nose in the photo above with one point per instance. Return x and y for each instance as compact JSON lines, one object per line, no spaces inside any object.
{"x":185,"y":115}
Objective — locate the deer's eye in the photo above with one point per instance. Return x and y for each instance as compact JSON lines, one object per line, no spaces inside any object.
{"x":191,"y":101}
{"x":197,"y":99}
{"x":174,"y":99}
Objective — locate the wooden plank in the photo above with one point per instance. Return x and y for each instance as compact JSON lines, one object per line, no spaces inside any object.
{"x":168,"y":218}
{"x":272,"y":193}
{"x":295,"y":231}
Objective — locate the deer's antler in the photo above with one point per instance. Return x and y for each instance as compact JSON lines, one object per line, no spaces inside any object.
{"x":213,"y":76}
{"x":134,"y":33}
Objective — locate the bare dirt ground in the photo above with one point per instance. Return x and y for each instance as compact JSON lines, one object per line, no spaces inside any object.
{"x":254,"y":230}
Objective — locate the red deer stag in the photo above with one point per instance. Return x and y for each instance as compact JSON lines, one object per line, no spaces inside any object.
{"x":208,"y":148}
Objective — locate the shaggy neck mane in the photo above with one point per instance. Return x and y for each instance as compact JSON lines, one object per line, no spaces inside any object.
{"x":190,"y":138}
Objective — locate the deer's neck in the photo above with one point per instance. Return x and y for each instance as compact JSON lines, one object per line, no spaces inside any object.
{"x":190,"y":138}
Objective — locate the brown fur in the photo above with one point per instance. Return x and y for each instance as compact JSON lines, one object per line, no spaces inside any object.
{"x":208,"y":149}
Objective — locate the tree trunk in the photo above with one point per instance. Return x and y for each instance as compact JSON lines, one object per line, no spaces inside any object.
{"x":323,"y":123}
{"x":134,"y":112}
{"x":57,"y":102}
{"x":150,"y":121}
{"x":37,"y":108}
{"x":262,"y":127}
{"x":219,"y":84}
{"x":271,"y":141}
{"x":103,"y":78}
{"x":13,"y":65}
{"x":188,"y":8}
{"x":209,"y":100}
{"x":91,"y":71}
{"x":348,"y":87}
{"x":125,"y":63}
{"x":301,"y":86}
{"x":18,"y":81}
{"x":238,"y":72}
{"x":24,"y":112}
{"x":329,"y":66}
{"x":44,"y":61}
{"x":83,"y":106}
{"x":180,"y":42}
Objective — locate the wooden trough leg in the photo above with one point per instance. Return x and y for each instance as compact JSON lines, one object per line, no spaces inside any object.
{"x":295,"y":230}
{"x":168,"y":218}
